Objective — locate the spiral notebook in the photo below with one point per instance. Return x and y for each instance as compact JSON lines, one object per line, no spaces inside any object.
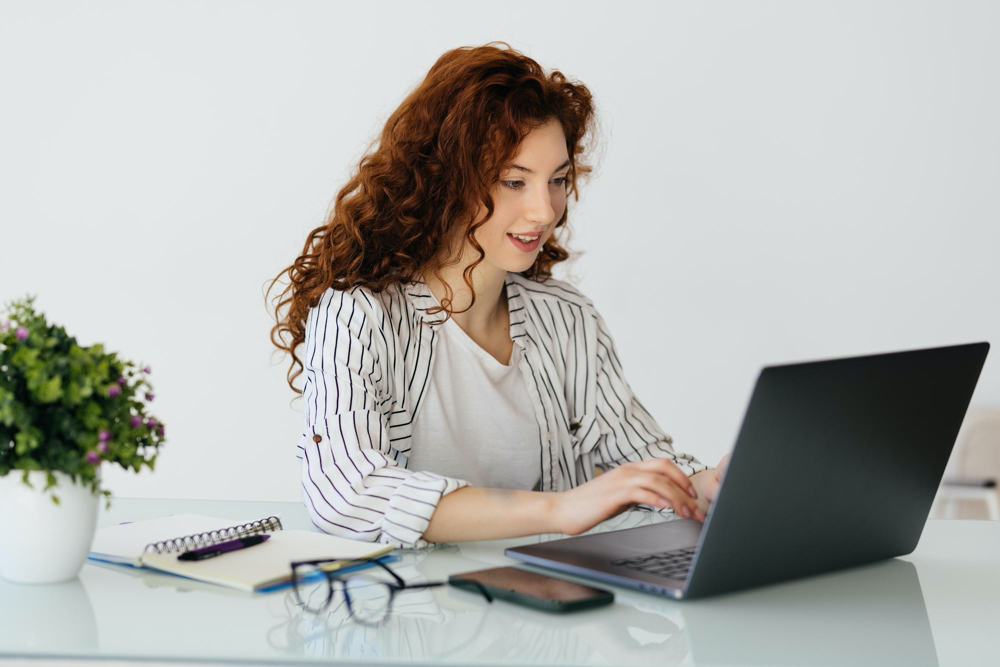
{"x":263,"y":566}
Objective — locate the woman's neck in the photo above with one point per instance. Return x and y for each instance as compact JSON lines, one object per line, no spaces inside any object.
{"x":489,"y":313}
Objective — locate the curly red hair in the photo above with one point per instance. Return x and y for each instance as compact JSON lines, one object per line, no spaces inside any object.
{"x":440,"y":155}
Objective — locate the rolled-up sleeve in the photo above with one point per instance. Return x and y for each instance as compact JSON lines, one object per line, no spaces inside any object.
{"x":628,"y":431}
{"x":352,"y":485}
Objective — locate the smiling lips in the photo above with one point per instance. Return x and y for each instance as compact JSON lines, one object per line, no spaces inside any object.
{"x":525,"y":242}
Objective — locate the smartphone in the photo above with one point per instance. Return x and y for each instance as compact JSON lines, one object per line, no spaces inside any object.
{"x":534,"y":590}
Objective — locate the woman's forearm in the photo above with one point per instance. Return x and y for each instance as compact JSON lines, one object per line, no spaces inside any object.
{"x":474,"y":513}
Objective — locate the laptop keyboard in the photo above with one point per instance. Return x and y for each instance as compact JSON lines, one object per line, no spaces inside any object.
{"x":671,"y":564}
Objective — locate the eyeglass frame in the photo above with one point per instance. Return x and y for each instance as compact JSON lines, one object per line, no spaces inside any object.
{"x":394,"y":588}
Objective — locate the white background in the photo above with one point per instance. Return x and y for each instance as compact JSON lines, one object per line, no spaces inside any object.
{"x":776,"y":182}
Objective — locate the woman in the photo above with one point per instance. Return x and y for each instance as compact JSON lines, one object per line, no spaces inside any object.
{"x":453,"y":389}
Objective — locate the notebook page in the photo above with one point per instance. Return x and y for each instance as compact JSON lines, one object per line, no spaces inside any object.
{"x":123,"y":544}
{"x":268,"y":563}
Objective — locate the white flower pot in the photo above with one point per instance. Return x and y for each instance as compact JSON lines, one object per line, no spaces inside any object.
{"x":43,"y":542}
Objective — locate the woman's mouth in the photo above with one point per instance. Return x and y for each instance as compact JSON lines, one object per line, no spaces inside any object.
{"x":525,"y":242}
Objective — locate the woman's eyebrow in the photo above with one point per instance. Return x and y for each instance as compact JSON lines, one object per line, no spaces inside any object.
{"x":517,"y":166}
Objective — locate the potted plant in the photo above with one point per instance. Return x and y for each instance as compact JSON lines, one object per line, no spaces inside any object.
{"x":64,"y":410}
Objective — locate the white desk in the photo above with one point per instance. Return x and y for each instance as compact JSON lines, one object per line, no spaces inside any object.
{"x":940,"y":605}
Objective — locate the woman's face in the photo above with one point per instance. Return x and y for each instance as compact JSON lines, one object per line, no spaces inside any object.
{"x":529,"y":199}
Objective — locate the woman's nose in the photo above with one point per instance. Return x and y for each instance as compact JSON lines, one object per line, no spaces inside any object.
{"x":539,"y":206}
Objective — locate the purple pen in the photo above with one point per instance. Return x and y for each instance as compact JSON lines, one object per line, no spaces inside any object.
{"x":222,"y":547}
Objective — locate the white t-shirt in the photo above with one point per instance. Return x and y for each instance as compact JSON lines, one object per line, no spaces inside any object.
{"x":477,"y":422}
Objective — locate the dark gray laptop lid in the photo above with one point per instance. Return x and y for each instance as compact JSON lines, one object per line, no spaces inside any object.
{"x":836,"y":464}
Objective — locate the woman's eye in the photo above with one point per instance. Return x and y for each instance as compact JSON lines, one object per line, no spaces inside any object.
{"x":516,"y":185}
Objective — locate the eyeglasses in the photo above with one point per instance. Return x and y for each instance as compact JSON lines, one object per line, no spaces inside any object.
{"x":369,"y":597}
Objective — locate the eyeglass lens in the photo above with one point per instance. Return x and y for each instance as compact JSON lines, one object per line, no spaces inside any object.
{"x":312,"y":587}
{"x":369,"y":597}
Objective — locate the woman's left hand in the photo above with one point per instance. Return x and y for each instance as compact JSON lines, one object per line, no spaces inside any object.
{"x":706,"y":483}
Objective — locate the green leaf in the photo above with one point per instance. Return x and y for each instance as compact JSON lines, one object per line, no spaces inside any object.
{"x":73,"y":394}
{"x":25,"y":441}
{"x":6,"y":408}
{"x":26,"y":463}
{"x":25,"y":357}
{"x":51,"y":391}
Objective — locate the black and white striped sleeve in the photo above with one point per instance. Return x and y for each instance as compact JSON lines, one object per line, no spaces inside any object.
{"x":352,"y":485}
{"x":628,"y":431}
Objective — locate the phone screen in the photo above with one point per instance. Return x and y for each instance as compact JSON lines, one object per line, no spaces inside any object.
{"x":532,"y":584}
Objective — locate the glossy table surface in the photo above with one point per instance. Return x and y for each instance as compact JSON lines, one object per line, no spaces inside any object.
{"x":937,"y":606}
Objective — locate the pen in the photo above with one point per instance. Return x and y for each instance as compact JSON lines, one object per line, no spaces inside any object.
{"x":223,"y":547}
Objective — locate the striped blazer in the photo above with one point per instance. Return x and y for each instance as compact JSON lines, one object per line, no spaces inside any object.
{"x":367,"y":360}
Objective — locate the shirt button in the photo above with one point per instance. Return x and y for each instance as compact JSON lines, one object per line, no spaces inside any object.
{"x":548,"y":436}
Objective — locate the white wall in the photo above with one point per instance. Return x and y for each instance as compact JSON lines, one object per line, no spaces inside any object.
{"x":780,"y":182}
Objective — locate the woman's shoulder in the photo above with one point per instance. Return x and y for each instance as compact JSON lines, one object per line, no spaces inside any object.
{"x":359,"y":307}
{"x":553,"y":290}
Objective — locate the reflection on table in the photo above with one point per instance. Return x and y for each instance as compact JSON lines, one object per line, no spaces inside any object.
{"x":940,"y":606}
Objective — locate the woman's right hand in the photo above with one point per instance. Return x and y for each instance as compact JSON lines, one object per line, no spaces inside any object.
{"x":655,"y":482}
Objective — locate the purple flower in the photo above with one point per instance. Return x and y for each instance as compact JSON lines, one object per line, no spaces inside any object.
{"x":145,"y":369}
{"x":159,"y":430}
{"x":121,"y":381}
{"x":4,"y":325}
{"x":151,"y":422}
{"x":114,"y":390}
{"x":102,"y":447}
{"x":22,"y":333}
{"x":136,"y":421}
{"x":104,"y":435}
{"x":149,"y":396}
{"x":93,"y":457}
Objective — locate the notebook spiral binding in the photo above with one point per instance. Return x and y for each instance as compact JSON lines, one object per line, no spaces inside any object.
{"x":189,"y":542}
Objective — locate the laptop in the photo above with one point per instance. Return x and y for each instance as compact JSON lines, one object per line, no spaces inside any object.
{"x":836,"y":465}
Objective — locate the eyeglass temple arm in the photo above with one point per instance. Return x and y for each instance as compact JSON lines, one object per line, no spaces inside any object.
{"x":402,"y":584}
{"x":399,"y":580}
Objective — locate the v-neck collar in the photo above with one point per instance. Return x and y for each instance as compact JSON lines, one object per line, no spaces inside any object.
{"x":422,"y":299}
